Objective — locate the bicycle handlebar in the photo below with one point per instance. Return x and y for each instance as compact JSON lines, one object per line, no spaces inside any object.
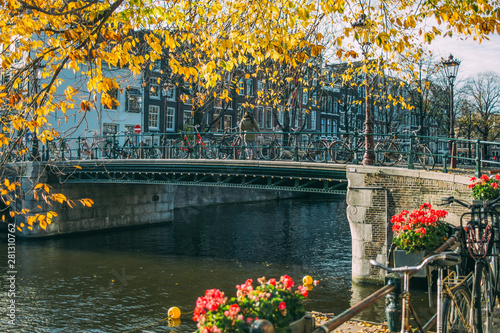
{"x":489,"y":204}
{"x":426,"y":261}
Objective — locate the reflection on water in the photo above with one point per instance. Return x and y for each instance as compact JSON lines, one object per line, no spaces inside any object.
{"x":122,"y":280}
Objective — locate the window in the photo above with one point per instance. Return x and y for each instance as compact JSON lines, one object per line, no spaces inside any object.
{"x":113,"y":103}
{"x":313,"y":120}
{"x":260,"y":85}
{"x":239,"y":111}
{"x":134,"y":100}
{"x":329,"y":126}
{"x":249,"y":87}
{"x":281,"y":115}
{"x":335,"y":127}
{"x":169,"y":119}
{"x":109,"y":129}
{"x":170,"y":94}
{"x":305,"y":96}
{"x":156,"y":65}
{"x":259,"y":116}
{"x":323,"y":126}
{"x":269,"y":118}
{"x":188,"y":119}
{"x":228,"y":121}
{"x":241,"y":87}
{"x":153,"y":117}
{"x":154,"y":88}
{"x":329,"y":108}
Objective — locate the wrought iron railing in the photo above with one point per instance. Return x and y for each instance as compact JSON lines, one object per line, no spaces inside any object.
{"x":397,"y":149}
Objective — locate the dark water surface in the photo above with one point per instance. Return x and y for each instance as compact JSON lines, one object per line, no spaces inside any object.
{"x":126,"y":280}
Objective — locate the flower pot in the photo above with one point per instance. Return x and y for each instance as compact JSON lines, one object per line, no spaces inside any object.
{"x":401,"y":258}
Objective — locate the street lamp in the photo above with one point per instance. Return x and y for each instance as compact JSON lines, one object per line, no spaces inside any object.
{"x":369,"y":155}
{"x":451,"y":69}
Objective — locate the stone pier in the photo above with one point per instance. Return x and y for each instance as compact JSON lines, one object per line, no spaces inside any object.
{"x":376,"y":193}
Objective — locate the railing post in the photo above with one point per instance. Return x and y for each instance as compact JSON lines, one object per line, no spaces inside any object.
{"x":195,"y":147}
{"x":78,"y":153}
{"x":478,"y":158}
{"x":355,"y":148}
{"x":445,"y":161}
{"x":296,"y":148}
{"x":411,"y":153}
{"x":393,"y":304}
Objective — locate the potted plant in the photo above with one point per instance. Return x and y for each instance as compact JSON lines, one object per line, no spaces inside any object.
{"x":417,"y":233}
{"x":485,"y":188}
{"x":275,"y":301}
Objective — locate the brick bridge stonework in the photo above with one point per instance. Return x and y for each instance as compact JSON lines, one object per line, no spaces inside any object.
{"x":377,"y":193}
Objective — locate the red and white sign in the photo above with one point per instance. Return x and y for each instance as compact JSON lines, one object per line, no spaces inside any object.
{"x":137,"y":129}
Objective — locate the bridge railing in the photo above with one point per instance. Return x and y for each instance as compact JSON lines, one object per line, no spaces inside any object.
{"x":405,"y":151}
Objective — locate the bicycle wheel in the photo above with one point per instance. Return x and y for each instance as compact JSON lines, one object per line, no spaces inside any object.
{"x":223,"y":149}
{"x":424,"y":157}
{"x":208,"y":150}
{"x":180,"y":149}
{"x":270,"y":150}
{"x":317,"y":151}
{"x":386,"y":153}
{"x":340,"y":153}
{"x":129,"y":151}
{"x":153,"y":153}
{"x":456,"y":311}
{"x":109,"y":150}
{"x":64,"y":151}
{"x":482,"y":299}
{"x":85,"y":151}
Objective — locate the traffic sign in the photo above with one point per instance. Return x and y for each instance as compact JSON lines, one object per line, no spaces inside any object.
{"x":137,"y":129}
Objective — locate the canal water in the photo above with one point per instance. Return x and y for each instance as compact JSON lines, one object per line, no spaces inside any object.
{"x":126,"y":280}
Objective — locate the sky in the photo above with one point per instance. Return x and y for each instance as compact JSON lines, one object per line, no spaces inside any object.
{"x":475,"y":58}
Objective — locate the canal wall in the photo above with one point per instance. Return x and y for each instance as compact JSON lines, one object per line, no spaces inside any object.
{"x":121,"y":205}
{"x":376,"y":193}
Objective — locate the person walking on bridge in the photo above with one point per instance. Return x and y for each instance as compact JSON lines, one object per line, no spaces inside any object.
{"x":248,"y":126}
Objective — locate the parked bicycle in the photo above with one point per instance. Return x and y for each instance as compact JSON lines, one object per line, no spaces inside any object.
{"x":89,"y":147}
{"x":59,"y":150}
{"x":232,"y":146}
{"x":480,"y":229}
{"x":149,"y":149}
{"x":453,"y":303}
{"x":197,"y":145}
{"x":390,"y":152}
{"x":349,"y":146}
{"x":113,"y":149}
{"x":270,"y":146}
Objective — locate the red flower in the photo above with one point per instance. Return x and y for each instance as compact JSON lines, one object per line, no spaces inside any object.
{"x":494,"y":185}
{"x":485,"y":178}
{"x":287,"y":281}
{"x":497,"y":176}
{"x":473,"y":179}
{"x":272,"y":281}
{"x":282,"y":306}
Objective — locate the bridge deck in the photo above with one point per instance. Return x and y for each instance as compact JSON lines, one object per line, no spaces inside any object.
{"x":275,"y":175}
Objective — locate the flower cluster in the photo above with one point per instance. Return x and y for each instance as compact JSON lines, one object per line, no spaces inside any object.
{"x":419,"y":230}
{"x":485,"y":188}
{"x":275,"y":301}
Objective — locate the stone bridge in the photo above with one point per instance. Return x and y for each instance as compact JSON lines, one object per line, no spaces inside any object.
{"x":130,"y":193}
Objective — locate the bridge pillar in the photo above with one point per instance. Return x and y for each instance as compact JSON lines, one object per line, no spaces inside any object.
{"x":375,"y":194}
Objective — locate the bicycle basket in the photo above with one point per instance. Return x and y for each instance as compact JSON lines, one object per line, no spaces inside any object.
{"x":478,"y":239}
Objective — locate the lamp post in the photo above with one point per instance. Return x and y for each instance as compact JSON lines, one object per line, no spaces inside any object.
{"x":369,"y":155}
{"x":451,"y":69}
